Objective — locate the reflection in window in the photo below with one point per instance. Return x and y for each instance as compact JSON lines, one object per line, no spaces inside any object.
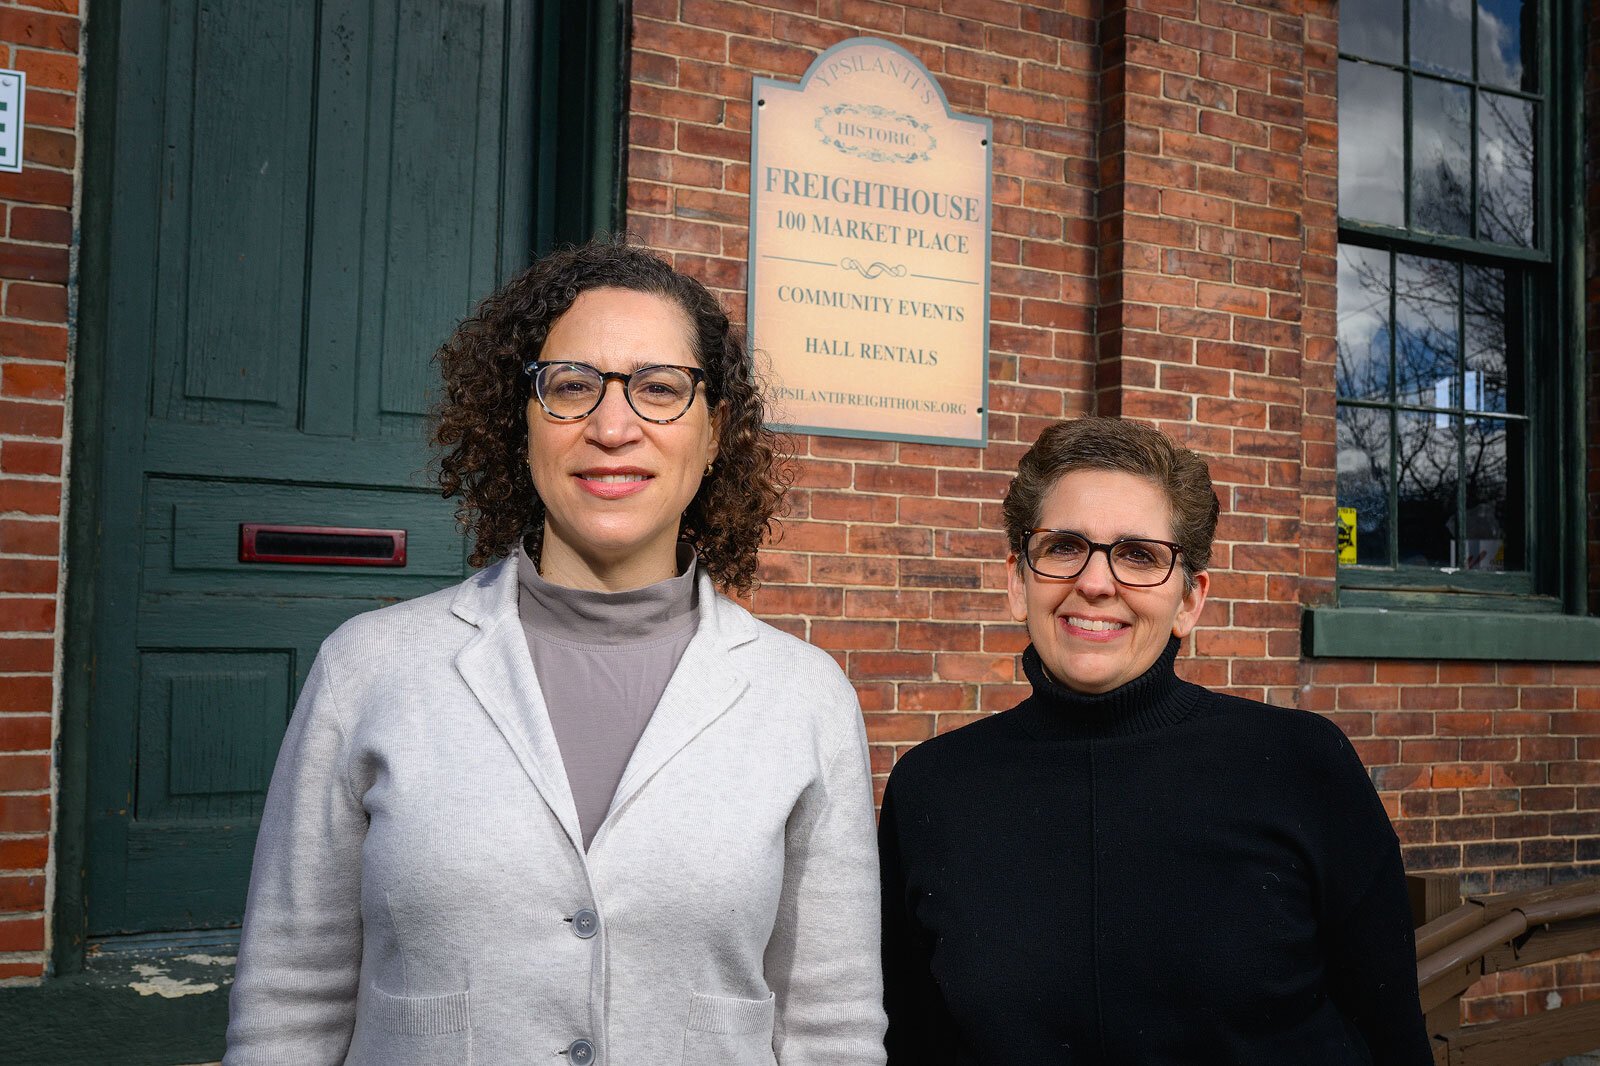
{"x":1427,"y":451}
{"x":1426,"y":343}
{"x":1434,"y":481}
{"x":1363,"y":351}
{"x":1443,"y":263}
{"x":1441,"y":36}
{"x":1502,"y":36}
{"x":1371,"y":143}
{"x":1505,"y":169}
{"x":1493,"y":505}
{"x":1490,"y":351}
{"x":1441,"y":154}
{"x":1371,"y":29}
{"x":1363,"y":479}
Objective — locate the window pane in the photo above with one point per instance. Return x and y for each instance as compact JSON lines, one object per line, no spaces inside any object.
{"x":1363,"y":371}
{"x":1364,"y":479}
{"x":1505,"y":44}
{"x":1496,"y":505}
{"x":1441,"y":36}
{"x":1427,"y":295}
{"x":1494,"y":354}
{"x":1371,"y":143}
{"x":1425,"y":469}
{"x":1505,"y":169}
{"x":1370,"y":28}
{"x":1441,"y":153}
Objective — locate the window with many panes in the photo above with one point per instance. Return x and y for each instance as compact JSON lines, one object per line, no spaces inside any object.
{"x":1448,"y":296}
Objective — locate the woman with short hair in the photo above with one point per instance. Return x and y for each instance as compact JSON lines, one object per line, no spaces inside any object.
{"x":1125,"y":867}
{"x":581,"y":808}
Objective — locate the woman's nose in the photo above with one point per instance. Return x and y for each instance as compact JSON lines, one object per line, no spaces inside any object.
{"x":613,"y":422}
{"x":1096,"y":579}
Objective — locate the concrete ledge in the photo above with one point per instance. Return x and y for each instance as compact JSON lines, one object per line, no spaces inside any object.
{"x":1393,"y":633}
{"x":131,"y":1009}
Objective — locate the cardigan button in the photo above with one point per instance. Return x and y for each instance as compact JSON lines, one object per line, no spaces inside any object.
{"x":585,"y":924}
{"x":580,"y":1053}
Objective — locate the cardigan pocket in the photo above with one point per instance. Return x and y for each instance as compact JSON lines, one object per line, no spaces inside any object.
{"x":419,"y":1030}
{"x":723,"y":1031}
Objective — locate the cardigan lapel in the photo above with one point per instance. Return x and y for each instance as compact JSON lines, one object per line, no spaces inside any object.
{"x":496,"y":667}
{"x":701,"y":689}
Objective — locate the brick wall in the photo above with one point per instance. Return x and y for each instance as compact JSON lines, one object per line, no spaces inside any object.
{"x":43,"y":39}
{"x":891,"y":557}
{"x":1165,"y":233}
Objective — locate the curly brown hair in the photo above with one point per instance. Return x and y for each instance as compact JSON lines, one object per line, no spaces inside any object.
{"x":482,"y":431}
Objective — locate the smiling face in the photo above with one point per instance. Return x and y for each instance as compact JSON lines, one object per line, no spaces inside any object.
{"x":615,"y":486}
{"x":1093,"y":634}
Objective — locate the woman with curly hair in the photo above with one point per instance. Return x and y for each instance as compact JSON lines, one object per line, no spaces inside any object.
{"x":582,"y":807}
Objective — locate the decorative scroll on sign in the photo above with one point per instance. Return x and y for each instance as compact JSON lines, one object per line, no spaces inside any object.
{"x":869,"y":250}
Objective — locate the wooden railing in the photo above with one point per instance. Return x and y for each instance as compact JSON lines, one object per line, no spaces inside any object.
{"x":1459,"y":942}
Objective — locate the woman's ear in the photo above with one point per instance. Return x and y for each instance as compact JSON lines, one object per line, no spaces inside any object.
{"x":1194,"y":598}
{"x":715,"y":446}
{"x":1016,"y":588}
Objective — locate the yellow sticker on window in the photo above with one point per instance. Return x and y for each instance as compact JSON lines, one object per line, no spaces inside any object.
{"x":1347,"y":534}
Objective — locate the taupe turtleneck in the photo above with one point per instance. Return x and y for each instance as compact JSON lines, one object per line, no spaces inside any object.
{"x":603,"y":660}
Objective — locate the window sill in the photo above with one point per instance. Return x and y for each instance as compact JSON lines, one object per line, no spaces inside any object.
{"x":99,"y":1016}
{"x":1388,"y":633}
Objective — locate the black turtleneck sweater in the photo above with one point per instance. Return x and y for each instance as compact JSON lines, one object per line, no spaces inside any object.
{"x":1157,"y":875}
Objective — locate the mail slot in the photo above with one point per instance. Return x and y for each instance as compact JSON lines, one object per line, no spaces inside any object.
{"x":321,"y":545}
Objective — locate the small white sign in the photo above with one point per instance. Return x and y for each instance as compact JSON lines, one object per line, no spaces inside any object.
{"x":13,"y":91}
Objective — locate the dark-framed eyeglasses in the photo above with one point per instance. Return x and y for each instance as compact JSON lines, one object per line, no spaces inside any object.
{"x":569,"y":390}
{"x":1136,"y":562}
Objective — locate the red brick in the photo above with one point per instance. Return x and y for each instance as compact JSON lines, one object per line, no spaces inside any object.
{"x":29,"y":457}
{"x":37,"y":29}
{"x":898,"y":727}
{"x":41,"y":224}
{"x":55,"y":109}
{"x":31,"y":262}
{"x":47,"y":70}
{"x":938,"y":696}
{"x":22,"y":934}
{"x":24,"y":853}
{"x":25,"y":893}
{"x":805,"y":600}
{"x":30,"y":497}
{"x":43,"y":303}
{"x":24,"y":814}
{"x":34,"y":381}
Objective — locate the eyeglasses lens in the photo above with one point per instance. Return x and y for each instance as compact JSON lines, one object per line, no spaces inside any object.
{"x":568,"y":390}
{"x":1136,"y":563}
{"x":573,"y":390}
{"x":661,"y":391}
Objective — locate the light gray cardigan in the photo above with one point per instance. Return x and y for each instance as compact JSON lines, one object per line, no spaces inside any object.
{"x":421,"y":893}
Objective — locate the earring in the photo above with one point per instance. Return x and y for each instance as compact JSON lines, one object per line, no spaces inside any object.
{"x":709,"y":465}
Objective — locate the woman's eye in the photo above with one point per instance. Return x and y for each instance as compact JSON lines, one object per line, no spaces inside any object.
{"x":1138,"y":556}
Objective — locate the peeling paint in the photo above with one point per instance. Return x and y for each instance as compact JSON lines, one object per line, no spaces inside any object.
{"x":157,"y":983}
{"x":209,"y":960}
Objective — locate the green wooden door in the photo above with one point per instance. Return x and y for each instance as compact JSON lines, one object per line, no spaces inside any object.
{"x":307,"y":197}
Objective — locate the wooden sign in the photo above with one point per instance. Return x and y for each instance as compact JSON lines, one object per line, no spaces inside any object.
{"x":869,"y":250}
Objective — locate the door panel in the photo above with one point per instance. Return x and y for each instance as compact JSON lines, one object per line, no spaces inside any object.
{"x":308,"y":197}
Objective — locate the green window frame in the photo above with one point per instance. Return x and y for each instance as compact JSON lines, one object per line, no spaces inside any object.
{"x":1414,"y":254}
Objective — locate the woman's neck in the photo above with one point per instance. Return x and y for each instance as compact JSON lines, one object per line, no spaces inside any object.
{"x":1152,"y":701}
{"x":562,"y":564}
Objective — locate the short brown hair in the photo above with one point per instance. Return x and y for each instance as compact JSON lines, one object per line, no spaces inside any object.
{"x":1095,"y":443}
{"x":482,"y":424}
